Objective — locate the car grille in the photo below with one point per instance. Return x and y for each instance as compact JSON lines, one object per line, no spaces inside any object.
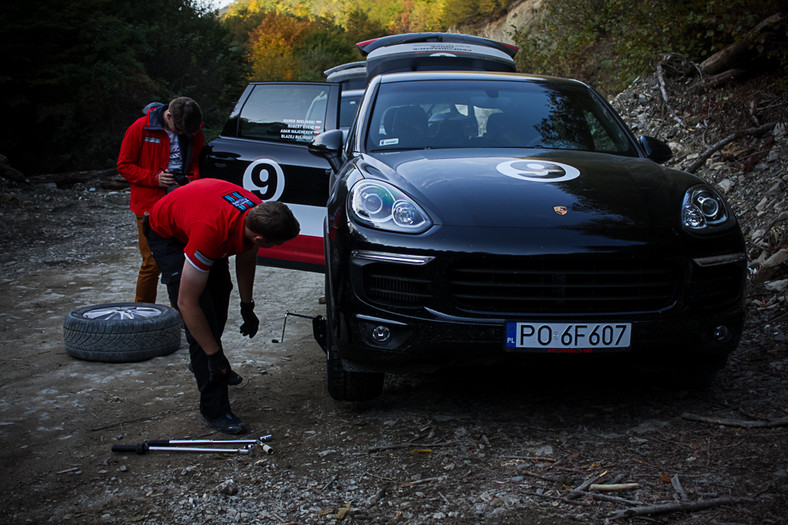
{"x":397,"y":285}
{"x":515,"y":286}
{"x":716,"y":285}
{"x":563,"y":285}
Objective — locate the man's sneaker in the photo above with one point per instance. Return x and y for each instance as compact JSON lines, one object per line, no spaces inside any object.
{"x":233,"y":378}
{"x":227,"y":424}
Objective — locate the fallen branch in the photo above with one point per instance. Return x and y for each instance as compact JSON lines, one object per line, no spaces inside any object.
{"x":697,"y":163}
{"x":557,"y":498}
{"x":411,"y":445}
{"x":539,"y":476}
{"x":663,"y":90}
{"x":779,"y":422}
{"x":418,"y":482}
{"x":532,"y":458}
{"x":678,"y":507}
{"x":613,"y":499}
{"x":592,"y":495}
{"x":674,"y":481}
{"x":715,"y":81}
{"x":581,"y":489}
{"x":613,"y":486}
{"x":9,"y":172}
{"x":738,"y":52}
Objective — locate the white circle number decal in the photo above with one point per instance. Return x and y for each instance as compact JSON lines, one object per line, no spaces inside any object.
{"x":538,"y":170}
{"x":266,"y":178}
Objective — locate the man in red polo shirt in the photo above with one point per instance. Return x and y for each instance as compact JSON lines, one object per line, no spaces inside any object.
{"x":191,"y":232}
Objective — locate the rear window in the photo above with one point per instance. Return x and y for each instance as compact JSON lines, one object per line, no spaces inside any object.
{"x":493,"y":114}
{"x":284,"y":113}
{"x":348,"y":108}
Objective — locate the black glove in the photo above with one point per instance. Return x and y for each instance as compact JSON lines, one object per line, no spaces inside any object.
{"x":218,"y":368}
{"x":251,"y":322}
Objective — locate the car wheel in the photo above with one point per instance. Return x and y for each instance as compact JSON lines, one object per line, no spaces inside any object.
{"x":344,"y":385}
{"x":351,"y":386}
{"x":122,"y":332}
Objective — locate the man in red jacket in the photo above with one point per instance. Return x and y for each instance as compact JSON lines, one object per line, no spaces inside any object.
{"x":192,"y":231}
{"x":157,"y":152}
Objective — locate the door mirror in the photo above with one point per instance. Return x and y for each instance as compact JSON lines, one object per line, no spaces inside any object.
{"x":329,"y":146}
{"x":655,"y":149}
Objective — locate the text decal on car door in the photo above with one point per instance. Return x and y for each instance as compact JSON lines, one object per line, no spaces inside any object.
{"x":538,"y":170}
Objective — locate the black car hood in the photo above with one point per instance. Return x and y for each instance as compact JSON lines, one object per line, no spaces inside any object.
{"x":549,"y":189}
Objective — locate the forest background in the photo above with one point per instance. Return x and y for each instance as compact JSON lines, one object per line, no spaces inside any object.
{"x":76,"y":73}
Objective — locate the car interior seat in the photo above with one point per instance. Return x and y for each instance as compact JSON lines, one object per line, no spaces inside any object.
{"x":408,"y":124}
{"x":501,"y":131}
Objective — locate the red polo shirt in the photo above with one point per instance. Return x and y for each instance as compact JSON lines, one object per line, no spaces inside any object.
{"x":206,"y":215}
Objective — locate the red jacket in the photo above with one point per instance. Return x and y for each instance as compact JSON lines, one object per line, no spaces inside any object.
{"x":145,"y":152}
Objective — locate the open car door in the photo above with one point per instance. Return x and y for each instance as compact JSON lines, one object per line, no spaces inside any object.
{"x":263,"y":147}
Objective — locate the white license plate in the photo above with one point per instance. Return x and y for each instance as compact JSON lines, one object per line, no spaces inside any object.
{"x":567,"y":336}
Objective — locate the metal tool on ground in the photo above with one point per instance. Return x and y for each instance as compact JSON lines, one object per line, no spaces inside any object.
{"x":318,"y":326}
{"x":187,"y":445}
{"x":143,"y":448}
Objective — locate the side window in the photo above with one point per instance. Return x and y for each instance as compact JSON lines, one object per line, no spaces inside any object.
{"x":608,"y":139}
{"x":291,"y":114}
{"x":602,"y":141}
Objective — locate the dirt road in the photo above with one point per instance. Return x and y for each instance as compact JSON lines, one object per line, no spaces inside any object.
{"x":467,"y":446}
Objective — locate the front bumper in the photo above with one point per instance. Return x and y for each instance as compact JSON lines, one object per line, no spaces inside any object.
{"x":392,"y":343}
{"x":697,"y":319}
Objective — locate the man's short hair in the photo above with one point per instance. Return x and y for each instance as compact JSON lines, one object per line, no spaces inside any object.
{"x":274,"y":221}
{"x":186,"y":114}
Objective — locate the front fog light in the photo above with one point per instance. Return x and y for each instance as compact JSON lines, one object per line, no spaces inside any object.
{"x":381,"y":333}
{"x":722,"y":333}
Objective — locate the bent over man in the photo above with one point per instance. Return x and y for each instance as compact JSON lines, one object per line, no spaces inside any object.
{"x":191,"y":232}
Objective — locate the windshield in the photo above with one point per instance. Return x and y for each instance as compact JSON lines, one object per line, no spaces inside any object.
{"x":492,"y":114}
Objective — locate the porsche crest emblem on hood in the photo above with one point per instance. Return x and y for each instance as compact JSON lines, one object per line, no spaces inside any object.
{"x":560,"y":210}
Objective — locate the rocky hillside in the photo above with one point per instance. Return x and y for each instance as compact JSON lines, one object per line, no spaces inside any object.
{"x":522,"y":15}
{"x":735,"y":137}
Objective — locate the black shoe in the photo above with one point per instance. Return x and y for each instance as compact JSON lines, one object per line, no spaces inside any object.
{"x":227,"y":424}
{"x":233,"y":378}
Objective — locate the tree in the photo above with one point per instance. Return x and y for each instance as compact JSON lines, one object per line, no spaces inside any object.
{"x":78,"y":72}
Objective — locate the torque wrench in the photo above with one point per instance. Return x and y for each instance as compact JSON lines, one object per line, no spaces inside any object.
{"x":142,"y":448}
{"x":170,"y":445}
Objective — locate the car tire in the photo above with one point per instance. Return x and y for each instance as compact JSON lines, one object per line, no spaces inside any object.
{"x":350,"y":386}
{"x":344,"y":385}
{"x":122,"y":332}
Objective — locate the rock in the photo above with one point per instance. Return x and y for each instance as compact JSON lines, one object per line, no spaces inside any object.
{"x":725,"y":185}
{"x":776,"y":286}
{"x":777,"y":259}
{"x":228,"y":488}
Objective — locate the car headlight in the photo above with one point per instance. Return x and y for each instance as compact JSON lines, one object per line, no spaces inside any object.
{"x":703,"y":210}
{"x":379,"y":205}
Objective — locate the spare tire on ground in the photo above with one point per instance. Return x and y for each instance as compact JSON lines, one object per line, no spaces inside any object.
{"x":122,"y":332}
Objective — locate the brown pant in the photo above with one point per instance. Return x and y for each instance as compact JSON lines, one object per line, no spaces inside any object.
{"x":148,"y":277}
